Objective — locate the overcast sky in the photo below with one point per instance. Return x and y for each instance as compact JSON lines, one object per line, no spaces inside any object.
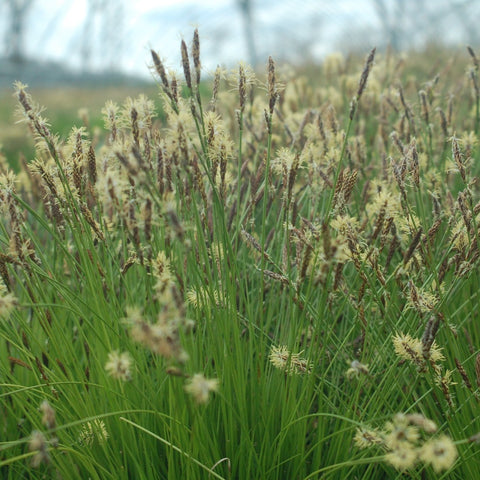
{"x":57,"y":29}
{"x":294,"y":29}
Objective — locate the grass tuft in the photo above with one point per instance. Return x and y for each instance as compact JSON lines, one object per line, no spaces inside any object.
{"x":275,"y":280}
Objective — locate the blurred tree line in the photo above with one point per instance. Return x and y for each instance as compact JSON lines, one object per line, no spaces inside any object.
{"x":102,"y":23}
{"x":402,"y":24}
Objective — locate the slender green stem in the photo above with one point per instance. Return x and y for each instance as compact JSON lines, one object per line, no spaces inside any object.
{"x":266,"y":194}
{"x":239,"y":180}
{"x":173,"y":447}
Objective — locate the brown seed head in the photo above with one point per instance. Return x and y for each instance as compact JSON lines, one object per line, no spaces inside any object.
{"x":186,"y":64}
{"x":272,"y":89}
{"x":216,"y":85}
{"x":463,"y":374}
{"x":23,"y":97}
{"x":292,"y":176}
{"x":198,"y":181}
{"x":433,"y":230}
{"x":87,"y":214}
{"x":160,"y":69}
{"x":92,"y":165}
{"x":466,"y":214}
{"x":353,"y":108}
{"x":474,"y":77}
{"x":174,"y":87}
{"x":429,"y":334}
{"x":423,"y":99}
{"x":147,"y":218}
{"x":160,"y":171}
{"x":413,"y":245}
{"x":366,"y":72}
{"x":223,"y":169}
{"x":457,"y":156}
{"x":474,"y":57}
{"x":134,"y":120}
{"x":242,"y":87}
{"x":415,"y":163}
{"x":253,"y":243}
{"x":349,"y":183}
{"x":196,"y":56}
{"x":268,"y":121}
{"x":477,"y":369}
{"x":443,"y":122}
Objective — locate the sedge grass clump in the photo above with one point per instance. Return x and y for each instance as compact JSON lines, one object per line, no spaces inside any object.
{"x":238,"y":271}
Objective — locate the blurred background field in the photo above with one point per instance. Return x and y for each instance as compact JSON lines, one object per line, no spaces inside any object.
{"x":65,"y":107}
